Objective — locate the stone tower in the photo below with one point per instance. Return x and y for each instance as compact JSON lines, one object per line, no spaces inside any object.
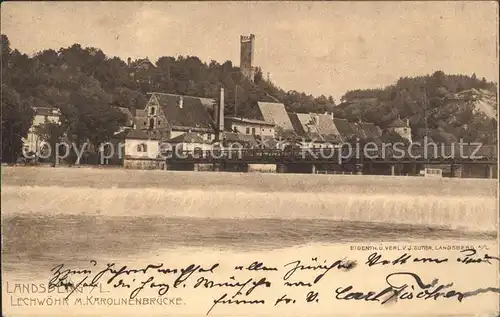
{"x":246,"y":57}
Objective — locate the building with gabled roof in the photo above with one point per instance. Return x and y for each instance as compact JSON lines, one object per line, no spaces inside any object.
{"x":32,"y":142}
{"x":309,"y":126}
{"x":371,"y":130}
{"x":358,"y":130}
{"x":190,"y":141}
{"x":398,"y":123}
{"x":346,"y":130}
{"x":297,"y":125}
{"x":141,"y":63}
{"x":141,"y":150}
{"x":237,"y":140}
{"x":248,"y":126}
{"x":273,"y":112}
{"x":327,"y":129}
{"x":401,"y":127}
{"x":138,"y":135}
{"x":188,"y":137}
{"x":168,"y":116}
{"x":139,"y":70}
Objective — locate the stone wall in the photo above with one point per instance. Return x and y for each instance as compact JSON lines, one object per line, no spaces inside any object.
{"x":142,"y":164}
{"x":262,"y":168}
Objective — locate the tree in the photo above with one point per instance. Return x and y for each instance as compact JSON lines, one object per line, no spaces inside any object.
{"x":439,"y":78}
{"x":84,"y":82}
{"x":258,"y":75}
{"x":90,"y":118}
{"x":17,"y":118}
{"x":50,"y":132}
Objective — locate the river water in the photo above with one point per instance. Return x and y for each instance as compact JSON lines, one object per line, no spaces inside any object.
{"x":46,"y":210}
{"x":71,"y":215}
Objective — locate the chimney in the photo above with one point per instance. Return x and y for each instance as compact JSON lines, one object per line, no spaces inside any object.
{"x":181,"y":102}
{"x":408,"y":122}
{"x":220,"y":116}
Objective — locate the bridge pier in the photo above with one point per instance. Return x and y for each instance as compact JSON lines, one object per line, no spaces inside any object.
{"x":313,"y":169}
{"x":413,"y":169}
{"x":280,"y":168}
{"x":489,"y":171}
{"x":393,"y":169}
{"x":217,"y":167}
{"x":359,"y":169}
{"x":457,"y":171}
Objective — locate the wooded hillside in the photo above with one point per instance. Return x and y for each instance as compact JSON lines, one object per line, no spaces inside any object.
{"x":85,"y":83}
{"x":458,"y":106}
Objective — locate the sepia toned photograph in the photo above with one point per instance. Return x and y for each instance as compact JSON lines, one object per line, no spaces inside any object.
{"x":250,"y":158}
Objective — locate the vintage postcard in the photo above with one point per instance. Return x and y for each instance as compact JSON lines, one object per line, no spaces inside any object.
{"x":250,"y":158}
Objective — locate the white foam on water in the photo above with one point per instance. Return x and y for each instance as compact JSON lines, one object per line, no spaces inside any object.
{"x":455,"y":212}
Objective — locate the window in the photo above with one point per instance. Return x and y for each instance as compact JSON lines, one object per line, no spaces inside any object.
{"x":253,"y":130}
{"x":248,"y":130}
{"x":142,"y":147}
{"x":159,"y":122}
{"x":152,"y":111}
{"x":151,"y":123}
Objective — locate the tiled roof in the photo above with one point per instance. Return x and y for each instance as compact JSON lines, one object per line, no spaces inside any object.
{"x":251,"y":121}
{"x":371,"y":130}
{"x":192,"y":114}
{"x":344,"y":127}
{"x":207,"y":102}
{"x":188,"y":137}
{"x":297,"y":126}
{"x":327,"y":128}
{"x":358,"y":130}
{"x":138,"y":135}
{"x":309,"y":126}
{"x":239,"y":137}
{"x":140,"y":62}
{"x":275,"y":113}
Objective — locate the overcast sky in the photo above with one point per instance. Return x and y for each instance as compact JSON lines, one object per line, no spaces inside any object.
{"x":315,"y":47}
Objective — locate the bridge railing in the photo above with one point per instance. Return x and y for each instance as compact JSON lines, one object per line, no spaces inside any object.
{"x":463,"y":153}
